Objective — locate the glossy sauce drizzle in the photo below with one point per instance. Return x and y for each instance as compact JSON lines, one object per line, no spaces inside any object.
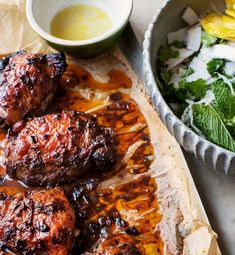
{"x":125,"y":204}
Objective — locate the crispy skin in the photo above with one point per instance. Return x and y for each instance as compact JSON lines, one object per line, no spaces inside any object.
{"x":27,"y":84}
{"x":57,"y":148}
{"x":118,"y":245}
{"x":37,"y":222}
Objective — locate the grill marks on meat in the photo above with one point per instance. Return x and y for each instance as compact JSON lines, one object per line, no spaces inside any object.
{"x":57,"y":148}
{"x":118,"y":245}
{"x":37,"y":222}
{"x":27,"y":84}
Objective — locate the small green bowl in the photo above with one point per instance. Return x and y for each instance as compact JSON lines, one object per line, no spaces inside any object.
{"x":40,"y":14}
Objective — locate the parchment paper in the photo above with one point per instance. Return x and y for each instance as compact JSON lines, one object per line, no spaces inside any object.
{"x":15,"y":31}
{"x":183,"y":213}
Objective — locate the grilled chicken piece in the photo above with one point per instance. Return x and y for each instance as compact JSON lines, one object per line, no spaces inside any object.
{"x":118,"y":245}
{"x":57,"y":148}
{"x":27,"y":84}
{"x":36,"y":223}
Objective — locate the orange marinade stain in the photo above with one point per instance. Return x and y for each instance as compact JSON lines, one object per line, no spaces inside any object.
{"x":117,"y":79}
{"x":106,"y":207}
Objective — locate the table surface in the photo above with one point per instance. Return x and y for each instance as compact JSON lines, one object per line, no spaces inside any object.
{"x":217,"y":191}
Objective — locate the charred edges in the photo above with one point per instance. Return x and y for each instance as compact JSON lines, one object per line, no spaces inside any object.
{"x":5,"y":61}
{"x":58,"y":62}
{"x":56,"y":206}
{"x":28,"y":80}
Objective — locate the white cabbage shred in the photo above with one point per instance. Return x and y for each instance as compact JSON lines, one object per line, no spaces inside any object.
{"x":200,"y":70}
{"x":190,"y":16}
{"x":179,"y":35}
{"x":230,"y":68}
{"x":221,"y":51}
{"x":194,"y":38}
{"x":183,"y":55}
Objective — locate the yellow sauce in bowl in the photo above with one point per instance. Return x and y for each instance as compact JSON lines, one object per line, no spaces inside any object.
{"x":80,"y":22}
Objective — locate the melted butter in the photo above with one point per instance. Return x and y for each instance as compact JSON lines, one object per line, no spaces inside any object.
{"x":80,"y":22}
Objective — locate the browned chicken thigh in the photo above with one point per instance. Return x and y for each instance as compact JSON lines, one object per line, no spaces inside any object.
{"x":118,"y":245}
{"x":27,"y":84}
{"x":57,"y":148}
{"x":38,"y":222}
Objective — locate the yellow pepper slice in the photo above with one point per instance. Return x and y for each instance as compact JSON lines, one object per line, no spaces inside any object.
{"x":230,"y":13}
{"x":221,"y":26}
{"x":230,"y":8}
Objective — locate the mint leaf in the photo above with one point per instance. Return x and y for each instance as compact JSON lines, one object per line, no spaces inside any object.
{"x":224,"y":98}
{"x":208,"y":121}
{"x":216,"y":66}
{"x":229,"y":122}
{"x":208,"y":40}
{"x":165,"y":53}
{"x":195,"y":88}
{"x":225,"y":104}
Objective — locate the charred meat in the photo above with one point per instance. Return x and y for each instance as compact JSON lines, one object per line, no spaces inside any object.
{"x":118,"y":245}
{"x":27,"y":84}
{"x":57,"y":148}
{"x":36,"y":222}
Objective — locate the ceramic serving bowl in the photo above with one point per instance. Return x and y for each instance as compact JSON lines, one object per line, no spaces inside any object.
{"x":40,"y":14}
{"x":169,"y":19}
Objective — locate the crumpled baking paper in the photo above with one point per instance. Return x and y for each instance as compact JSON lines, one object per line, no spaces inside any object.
{"x":176,"y":192}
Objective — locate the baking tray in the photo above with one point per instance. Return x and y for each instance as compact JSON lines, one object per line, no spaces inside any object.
{"x":216,"y":190}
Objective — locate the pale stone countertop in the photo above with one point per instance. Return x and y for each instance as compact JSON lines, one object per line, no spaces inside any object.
{"x":142,"y":14}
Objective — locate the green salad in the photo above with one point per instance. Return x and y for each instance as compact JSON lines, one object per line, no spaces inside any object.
{"x":197,"y":77}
